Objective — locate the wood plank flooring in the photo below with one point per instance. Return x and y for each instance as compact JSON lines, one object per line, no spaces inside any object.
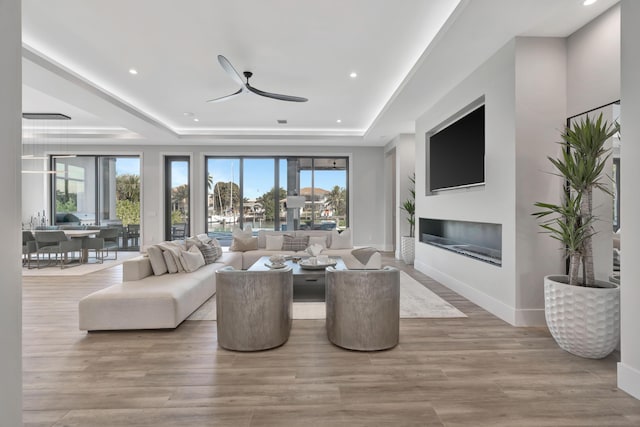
{"x":475,"y":371}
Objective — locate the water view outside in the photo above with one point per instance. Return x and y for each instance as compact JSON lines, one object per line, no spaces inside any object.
{"x":245,"y":192}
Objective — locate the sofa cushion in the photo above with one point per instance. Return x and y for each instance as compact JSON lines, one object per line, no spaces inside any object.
{"x":318,"y":240}
{"x":172,"y":267}
{"x":156,"y":258}
{"x":175,"y":248}
{"x":209,"y":253}
{"x":341,"y":240}
{"x":192,"y":259}
{"x":262,"y":237}
{"x":273,"y":242}
{"x":316,"y":233}
{"x":295,"y":243}
{"x":193,"y":241}
{"x":240,"y":244}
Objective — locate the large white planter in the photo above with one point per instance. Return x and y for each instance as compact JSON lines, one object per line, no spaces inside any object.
{"x":408,"y":249}
{"x":583,"y":321}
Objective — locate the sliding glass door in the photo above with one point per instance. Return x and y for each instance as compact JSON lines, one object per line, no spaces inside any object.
{"x":254,"y":190}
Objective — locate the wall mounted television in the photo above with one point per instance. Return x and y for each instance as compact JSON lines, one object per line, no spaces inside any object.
{"x":456,"y":153}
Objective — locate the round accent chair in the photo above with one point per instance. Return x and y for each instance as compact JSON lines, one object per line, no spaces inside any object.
{"x":253,"y":308}
{"x":363,"y":308}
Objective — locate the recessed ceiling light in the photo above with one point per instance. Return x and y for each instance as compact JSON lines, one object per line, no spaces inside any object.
{"x":353,"y":75}
{"x":196,"y":119}
{"x":589,"y":2}
{"x":282,"y":121}
{"x":133,"y":71}
{"x":338,"y":121}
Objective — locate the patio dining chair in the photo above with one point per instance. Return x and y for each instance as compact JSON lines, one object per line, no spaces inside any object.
{"x":28,"y":247}
{"x":105,"y":241}
{"x":56,"y":243}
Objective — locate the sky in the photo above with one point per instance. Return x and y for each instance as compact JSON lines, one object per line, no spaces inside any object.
{"x":258,"y":172}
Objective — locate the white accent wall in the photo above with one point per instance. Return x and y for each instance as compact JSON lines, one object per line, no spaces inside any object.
{"x":629,"y":367}
{"x":10,"y":176}
{"x":524,"y":88}
{"x":405,"y":160}
{"x":593,"y":63}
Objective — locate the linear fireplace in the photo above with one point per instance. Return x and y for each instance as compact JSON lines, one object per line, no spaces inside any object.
{"x":479,"y":240}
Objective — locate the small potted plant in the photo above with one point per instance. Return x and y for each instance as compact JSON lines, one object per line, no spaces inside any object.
{"x":408,"y":243}
{"x":582,"y":313}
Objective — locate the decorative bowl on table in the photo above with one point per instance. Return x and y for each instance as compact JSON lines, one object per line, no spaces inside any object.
{"x":276,"y":261}
{"x":312,"y":263}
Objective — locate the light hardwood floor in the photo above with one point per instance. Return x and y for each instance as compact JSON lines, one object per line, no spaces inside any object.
{"x":475,"y":371}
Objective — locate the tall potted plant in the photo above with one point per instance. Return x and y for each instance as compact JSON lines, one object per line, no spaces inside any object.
{"x":582,"y":313}
{"x":408,"y":243}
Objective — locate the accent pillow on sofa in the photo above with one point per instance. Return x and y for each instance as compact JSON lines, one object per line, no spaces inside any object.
{"x":158,"y":265}
{"x":175,"y":249}
{"x":213,"y":243}
{"x":169,"y":260}
{"x":298,"y":243}
{"x":318,"y":240}
{"x":192,"y":259}
{"x":209,"y":253}
{"x":240,"y":244}
{"x":341,"y":240}
{"x":193,"y":241}
{"x":274,"y":243}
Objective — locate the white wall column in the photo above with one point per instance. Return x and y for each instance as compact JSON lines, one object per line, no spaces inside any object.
{"x":629,"y":366}
{"x":10,"y":176}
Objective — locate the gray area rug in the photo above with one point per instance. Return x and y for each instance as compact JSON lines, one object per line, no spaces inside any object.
{"x":416,"y":301}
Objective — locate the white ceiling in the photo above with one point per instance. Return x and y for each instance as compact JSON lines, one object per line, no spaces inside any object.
{"x":407,"y":54}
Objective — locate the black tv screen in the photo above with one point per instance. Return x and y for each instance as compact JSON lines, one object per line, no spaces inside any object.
{"x":456,"y":153}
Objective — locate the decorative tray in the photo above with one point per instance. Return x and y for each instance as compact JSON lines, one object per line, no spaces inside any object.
{"x":307,"y":266}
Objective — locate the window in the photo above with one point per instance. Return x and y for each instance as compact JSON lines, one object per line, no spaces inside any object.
{"x":96,"y":190}
{"x":253,"y":191}
{"x":177,"y":197}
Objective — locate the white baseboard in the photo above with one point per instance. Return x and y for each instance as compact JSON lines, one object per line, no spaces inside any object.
{"x":629,"y":380}
{"x":523,"y":317}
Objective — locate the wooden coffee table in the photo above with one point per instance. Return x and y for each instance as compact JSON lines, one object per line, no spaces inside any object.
{"x":308,"y":285}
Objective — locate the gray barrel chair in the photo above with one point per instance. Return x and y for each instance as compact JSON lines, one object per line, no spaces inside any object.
{"x":253,"y":308}
{"x":363,"y":308}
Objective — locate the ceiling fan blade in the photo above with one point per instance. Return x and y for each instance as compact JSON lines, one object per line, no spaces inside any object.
{"x":226,"y":65}
{"x":276,"y":95}
{"x":224,"y":98}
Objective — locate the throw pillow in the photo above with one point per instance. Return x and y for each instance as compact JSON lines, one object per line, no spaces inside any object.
{"x":158,"y":265}
{"x":240,"y":244}
{"x":209,"y":253}
{"x":216,"y":245}
{"x":341,"y":240}
{"x":175,"y":248}
{"x":204,"y":238}
{"x":318,"y":240}
{"x":172,"y":266}
{"x":274,"y":243}
{"x":192,"y":259}
{"x":291,"y":243}
{"x":238,"y":232}
{"x":314,"y":250}
{"x":193,"y":241}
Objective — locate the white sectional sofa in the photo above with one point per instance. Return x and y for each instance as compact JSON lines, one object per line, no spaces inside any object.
{"x":147,"y":301}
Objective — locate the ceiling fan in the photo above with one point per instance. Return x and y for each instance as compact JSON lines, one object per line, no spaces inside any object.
{"x":246,"y":87}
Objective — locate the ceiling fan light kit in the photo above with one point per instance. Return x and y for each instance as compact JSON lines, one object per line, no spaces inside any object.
{"x":246,"y":87}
